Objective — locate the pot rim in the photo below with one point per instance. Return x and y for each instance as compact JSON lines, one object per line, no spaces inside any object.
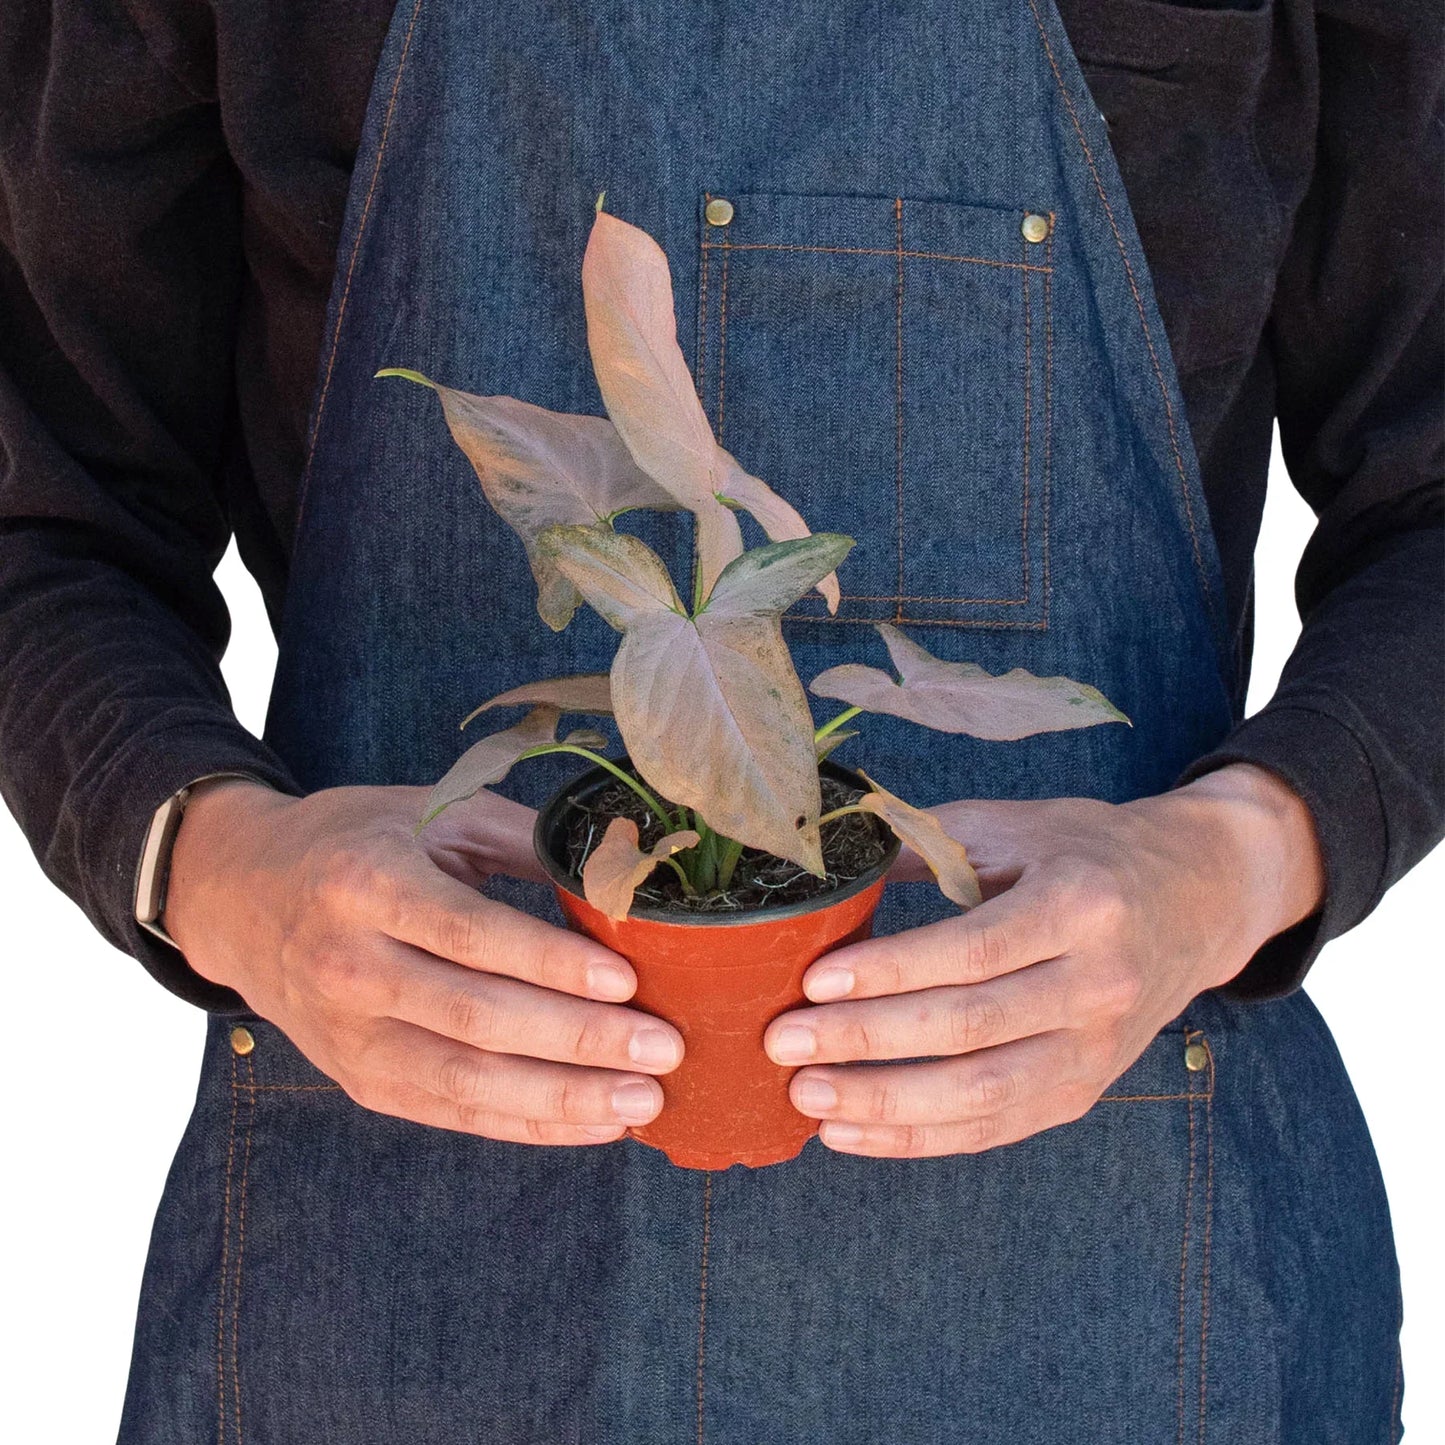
{"x":742,"y":918}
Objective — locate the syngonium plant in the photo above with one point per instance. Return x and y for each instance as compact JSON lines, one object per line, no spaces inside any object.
{"x":711,"y":710}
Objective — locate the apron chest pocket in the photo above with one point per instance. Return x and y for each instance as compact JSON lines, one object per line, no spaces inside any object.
{"x":885,"y":364}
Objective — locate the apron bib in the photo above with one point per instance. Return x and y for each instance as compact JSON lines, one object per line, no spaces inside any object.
{"x":995,"y":415}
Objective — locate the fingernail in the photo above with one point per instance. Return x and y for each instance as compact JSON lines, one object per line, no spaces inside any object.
{"x":652,"y":1047}
{"x":840,"y":1133}
{"x":816,"y":1094}
{"x":610,"y":982}
{"x":831,"y":983}
{"x":794,"y":1044}
{"x":633,"y":1102}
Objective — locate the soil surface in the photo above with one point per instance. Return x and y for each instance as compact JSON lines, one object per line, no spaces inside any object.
{"x":852,"y":845}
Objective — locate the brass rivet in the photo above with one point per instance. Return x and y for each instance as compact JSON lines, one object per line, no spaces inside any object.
{"x":242,"y":1040}
{"x":719,"y":211}
{"x":1035,"y":226}
{"x":1196,"y":1058}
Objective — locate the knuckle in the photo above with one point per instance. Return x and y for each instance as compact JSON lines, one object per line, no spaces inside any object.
{"x":991,"y":1090}
{"x":337,"y":972}
{"x":974,"y":1020}
{"x":473,"y":1119}
{"x":535,"y":1131}
{"x":457,"y":935}
{"x":595,"y":1036}
{"x":976,"y":1135}
{"x":882,"y":1103}
{"x":1115,"y":990}
{"x":979,"y":951}
{"x":461,"y":1078}
{"x":345,"y":878}
{"x":471,"y":1014}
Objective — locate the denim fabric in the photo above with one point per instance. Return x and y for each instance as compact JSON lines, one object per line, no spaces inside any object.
{"x":1206,"y":1256}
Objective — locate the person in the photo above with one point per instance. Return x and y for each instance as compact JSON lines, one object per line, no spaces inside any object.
{"x":1095,"y":1200}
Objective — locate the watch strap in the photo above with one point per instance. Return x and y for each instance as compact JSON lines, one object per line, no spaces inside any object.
{"x":153,"y":867}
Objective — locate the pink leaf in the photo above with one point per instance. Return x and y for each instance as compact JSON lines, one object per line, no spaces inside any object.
{"x":585,"y":692}
{"x":617,"y":866}
{"x":490,"y":759}
{"x":945,"y":856}
{"x":960,"y":697}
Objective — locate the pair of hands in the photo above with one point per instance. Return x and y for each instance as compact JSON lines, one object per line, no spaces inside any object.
{"x":376,"y":954}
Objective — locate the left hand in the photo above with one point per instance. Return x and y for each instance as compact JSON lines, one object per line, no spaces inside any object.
{"x":1100,"y":922}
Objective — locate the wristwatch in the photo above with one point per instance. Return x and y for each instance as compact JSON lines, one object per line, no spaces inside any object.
{"x":153,"y":870}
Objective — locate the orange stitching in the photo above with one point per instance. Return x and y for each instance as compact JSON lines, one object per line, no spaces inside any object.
{"x":291,"y":1088}
{"x":1139,"y":305}
{"x":722,"y":344}
{"x":355,"y":253}
{"x":1028,"y":389}
{"x":225,"y":1260}
{"x":703,"y":319}
{"x":1048,"y":406}
{"x":864,"y":251}
{"x":920,"y":621}
{"x":240,"y":1256}
{"x":702,"y":1308}
{"x":1208,"y":1231}
{"x":1145,"y":1098}
{"x":898,"y":378}
{"x":1183,"y":1271}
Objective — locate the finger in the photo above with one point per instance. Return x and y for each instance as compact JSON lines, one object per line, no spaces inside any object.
{"x":399,"y":1055}
{"x":1009,"y":931}
{"x":415,"y":902}
{"x":932,"y":1021}
{"x":510,"y":1016}
{"x":483,"y":835}
{"x":939,"y":1091}
{"x":420,"y":1107}
{"x":961,"y":1106}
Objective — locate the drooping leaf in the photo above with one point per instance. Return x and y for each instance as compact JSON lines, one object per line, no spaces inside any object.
{"x":961,"y":697}
{"x":710,"y":707}
{"x":539,"y":467}
{"x":946,"y":857}
{"x":490,"y":759}
{"x":585,"y":692}
{"x":777,"y":518}
{"x":617,"y":866}
{"x":646,"y":385}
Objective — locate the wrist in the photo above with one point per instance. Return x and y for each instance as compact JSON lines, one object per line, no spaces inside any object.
{"x":1270,"y":843}
{"x":212,"y":831}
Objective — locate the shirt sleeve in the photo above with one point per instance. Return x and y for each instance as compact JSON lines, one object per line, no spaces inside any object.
{"x":120,"y":267}
{"x":1357,"y":341}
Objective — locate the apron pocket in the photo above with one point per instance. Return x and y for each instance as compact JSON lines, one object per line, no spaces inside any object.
{"x":884,"y":363}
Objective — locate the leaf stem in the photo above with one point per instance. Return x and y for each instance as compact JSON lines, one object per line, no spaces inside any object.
{"x":833,"y":724}
{"x":839,"y":812}
{"x":611,"y":767}
{"x":732,"y":851}
{"x":682,"y":874}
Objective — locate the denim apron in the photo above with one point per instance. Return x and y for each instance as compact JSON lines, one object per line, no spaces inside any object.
{"x":990,"y":406}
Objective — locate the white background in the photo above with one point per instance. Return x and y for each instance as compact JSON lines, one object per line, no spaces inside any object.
{"x":98,"y":1065}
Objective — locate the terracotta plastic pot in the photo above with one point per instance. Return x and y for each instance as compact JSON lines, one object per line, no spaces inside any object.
{"x":719,"y":979}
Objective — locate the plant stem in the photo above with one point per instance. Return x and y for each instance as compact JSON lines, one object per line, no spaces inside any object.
{"x":833,"y":724}
{"x":839,"y":812}
{"x":611,"y":767}
{"x":732,"y":851}
{"x":682,"y":874}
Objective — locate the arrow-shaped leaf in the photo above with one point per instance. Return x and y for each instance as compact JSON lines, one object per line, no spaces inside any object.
{"x":961,"y":697}
{"x":539,"y":468}
{"x":490,"y":759}
{"x":946,"y":857}
{"x":585,"y":692}
{"x":710,"y":707}
{"x":617,"y":866}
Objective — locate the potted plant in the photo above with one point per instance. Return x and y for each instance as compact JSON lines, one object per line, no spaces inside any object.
{"x":725,"y":851}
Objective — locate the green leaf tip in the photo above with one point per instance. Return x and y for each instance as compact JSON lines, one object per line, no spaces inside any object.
{"x":598,"y":206}
{"x":406,"y":375}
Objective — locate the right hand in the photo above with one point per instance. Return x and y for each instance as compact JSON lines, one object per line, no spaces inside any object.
{"x":377,"y":956}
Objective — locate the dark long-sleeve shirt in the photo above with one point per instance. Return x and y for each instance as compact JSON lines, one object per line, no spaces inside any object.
{"x":172,"y":180}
